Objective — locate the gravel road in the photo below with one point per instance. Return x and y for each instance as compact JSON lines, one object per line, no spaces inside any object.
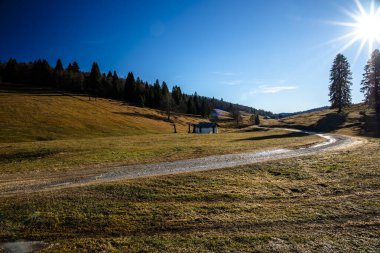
{"x":332,"y":142}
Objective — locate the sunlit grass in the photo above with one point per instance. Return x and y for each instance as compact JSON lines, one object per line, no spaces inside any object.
{"x":329,"y":201}
{"x":26,"y":116}
{"x":75,"y":154}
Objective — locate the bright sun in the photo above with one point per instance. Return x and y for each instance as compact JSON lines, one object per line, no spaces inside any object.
{"x":366,"y":27}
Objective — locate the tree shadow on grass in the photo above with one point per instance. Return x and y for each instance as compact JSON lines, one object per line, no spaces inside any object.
{"x":253,"y":130}
{"x":275,"y":136}
{"x":33,"y":91}
{"x":331,"y":121}
{"x":36,"y":90}
{"x":144,"y":115}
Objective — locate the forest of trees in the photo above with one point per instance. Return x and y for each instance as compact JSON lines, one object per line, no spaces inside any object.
{"x":158,"y":96}
{"x":130,"y":89}
{"x":340,"y":82}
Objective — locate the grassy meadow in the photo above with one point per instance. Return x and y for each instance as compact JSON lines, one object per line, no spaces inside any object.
{"x":328,"y":202}
{"x":324,"y":203}
{"x":43,"y":130}
{"x":79,"y":154}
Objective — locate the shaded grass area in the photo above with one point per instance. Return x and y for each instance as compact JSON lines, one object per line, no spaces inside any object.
{"x":77,"y":154}
{"x":331,"y":121}
{"x":277,"y":136}
{"x":330,"y":203}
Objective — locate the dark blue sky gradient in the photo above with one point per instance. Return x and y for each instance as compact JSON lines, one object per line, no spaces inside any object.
{"x":267,"y":54}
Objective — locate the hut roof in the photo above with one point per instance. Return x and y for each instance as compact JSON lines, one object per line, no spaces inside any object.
{"x":205,"y":124}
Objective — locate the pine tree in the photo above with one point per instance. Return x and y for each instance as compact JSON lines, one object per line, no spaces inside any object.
{"x":205,"y":109}
{"x":103,"y":84}
{"x":190,"y":106}
{"x":41,"y":72}
{"x":157,"y":94}
{"x":236,"y":115}
{"x":115,"y":80}
{"x":257,"y":119}
{"x":149,"y":95}
{"x":176,"y":94}
{"x":11,"y":71}
{"x":94,"y":78}
{"x":164,"y":89}
{"x":340,"y":82}
{"x":58,"y":74}
{"x":129,"y":87}
{"x":75,"y":67}
{"x":166,"y":98}
{"x":371,"y":81}
{"x":58,"y":65}
{"x":196,"y":103}
{"x":109,"y":75}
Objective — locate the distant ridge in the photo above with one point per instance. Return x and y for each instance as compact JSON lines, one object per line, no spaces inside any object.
{"x":285,"y":114}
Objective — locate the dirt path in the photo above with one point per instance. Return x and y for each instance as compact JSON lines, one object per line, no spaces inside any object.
{"x":332,"y":142}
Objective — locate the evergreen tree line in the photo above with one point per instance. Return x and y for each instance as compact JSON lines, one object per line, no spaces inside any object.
{"x":130,"y":89}
{"x":340,"y":82}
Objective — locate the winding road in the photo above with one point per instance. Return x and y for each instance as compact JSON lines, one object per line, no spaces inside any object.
{"x":332,"y":142}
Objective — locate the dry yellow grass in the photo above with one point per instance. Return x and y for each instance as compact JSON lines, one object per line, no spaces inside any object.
{"x":348,"y":122}
{"x":324,"y":203}
{"x":44,"y":130}
{"x":58,"y":155}
{"x":27,"y":115}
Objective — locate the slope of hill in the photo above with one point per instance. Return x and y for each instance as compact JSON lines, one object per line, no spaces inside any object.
{"x":28,"y":114}
{"x":286,"y":114}
{"x":328,"y":120}
{"x":307,"y":203}
{"x":220,"y":115}
{"x":43,"y":129}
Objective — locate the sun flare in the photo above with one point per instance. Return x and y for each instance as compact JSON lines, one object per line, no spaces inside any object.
{"x":365,"y":27}
{"x":368,"y":27}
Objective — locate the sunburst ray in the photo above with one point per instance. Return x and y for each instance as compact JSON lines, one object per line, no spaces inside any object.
{"x":365,"y":26}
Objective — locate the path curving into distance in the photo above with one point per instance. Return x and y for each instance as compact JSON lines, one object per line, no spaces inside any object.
{"x":332,"y":142}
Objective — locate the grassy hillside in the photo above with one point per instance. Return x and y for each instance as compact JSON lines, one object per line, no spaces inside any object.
{"x":328,"y":202}
{"x":29,"y":114}
{"x":44,"y":130}
{"x":348,"y":122}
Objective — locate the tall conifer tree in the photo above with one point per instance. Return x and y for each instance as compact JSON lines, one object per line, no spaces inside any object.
{"x":75,"y":67}
{"x":371,"y":81}
{"x":94,"y":78}
{"x":58,"y":65}
{"x":129,"y":87}
{"x":340,"y":82}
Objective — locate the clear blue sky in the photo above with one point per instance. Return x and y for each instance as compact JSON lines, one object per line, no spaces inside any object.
{"x":272,"y":55}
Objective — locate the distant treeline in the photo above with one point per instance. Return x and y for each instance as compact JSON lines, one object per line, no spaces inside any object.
{"x":130,"y":89}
